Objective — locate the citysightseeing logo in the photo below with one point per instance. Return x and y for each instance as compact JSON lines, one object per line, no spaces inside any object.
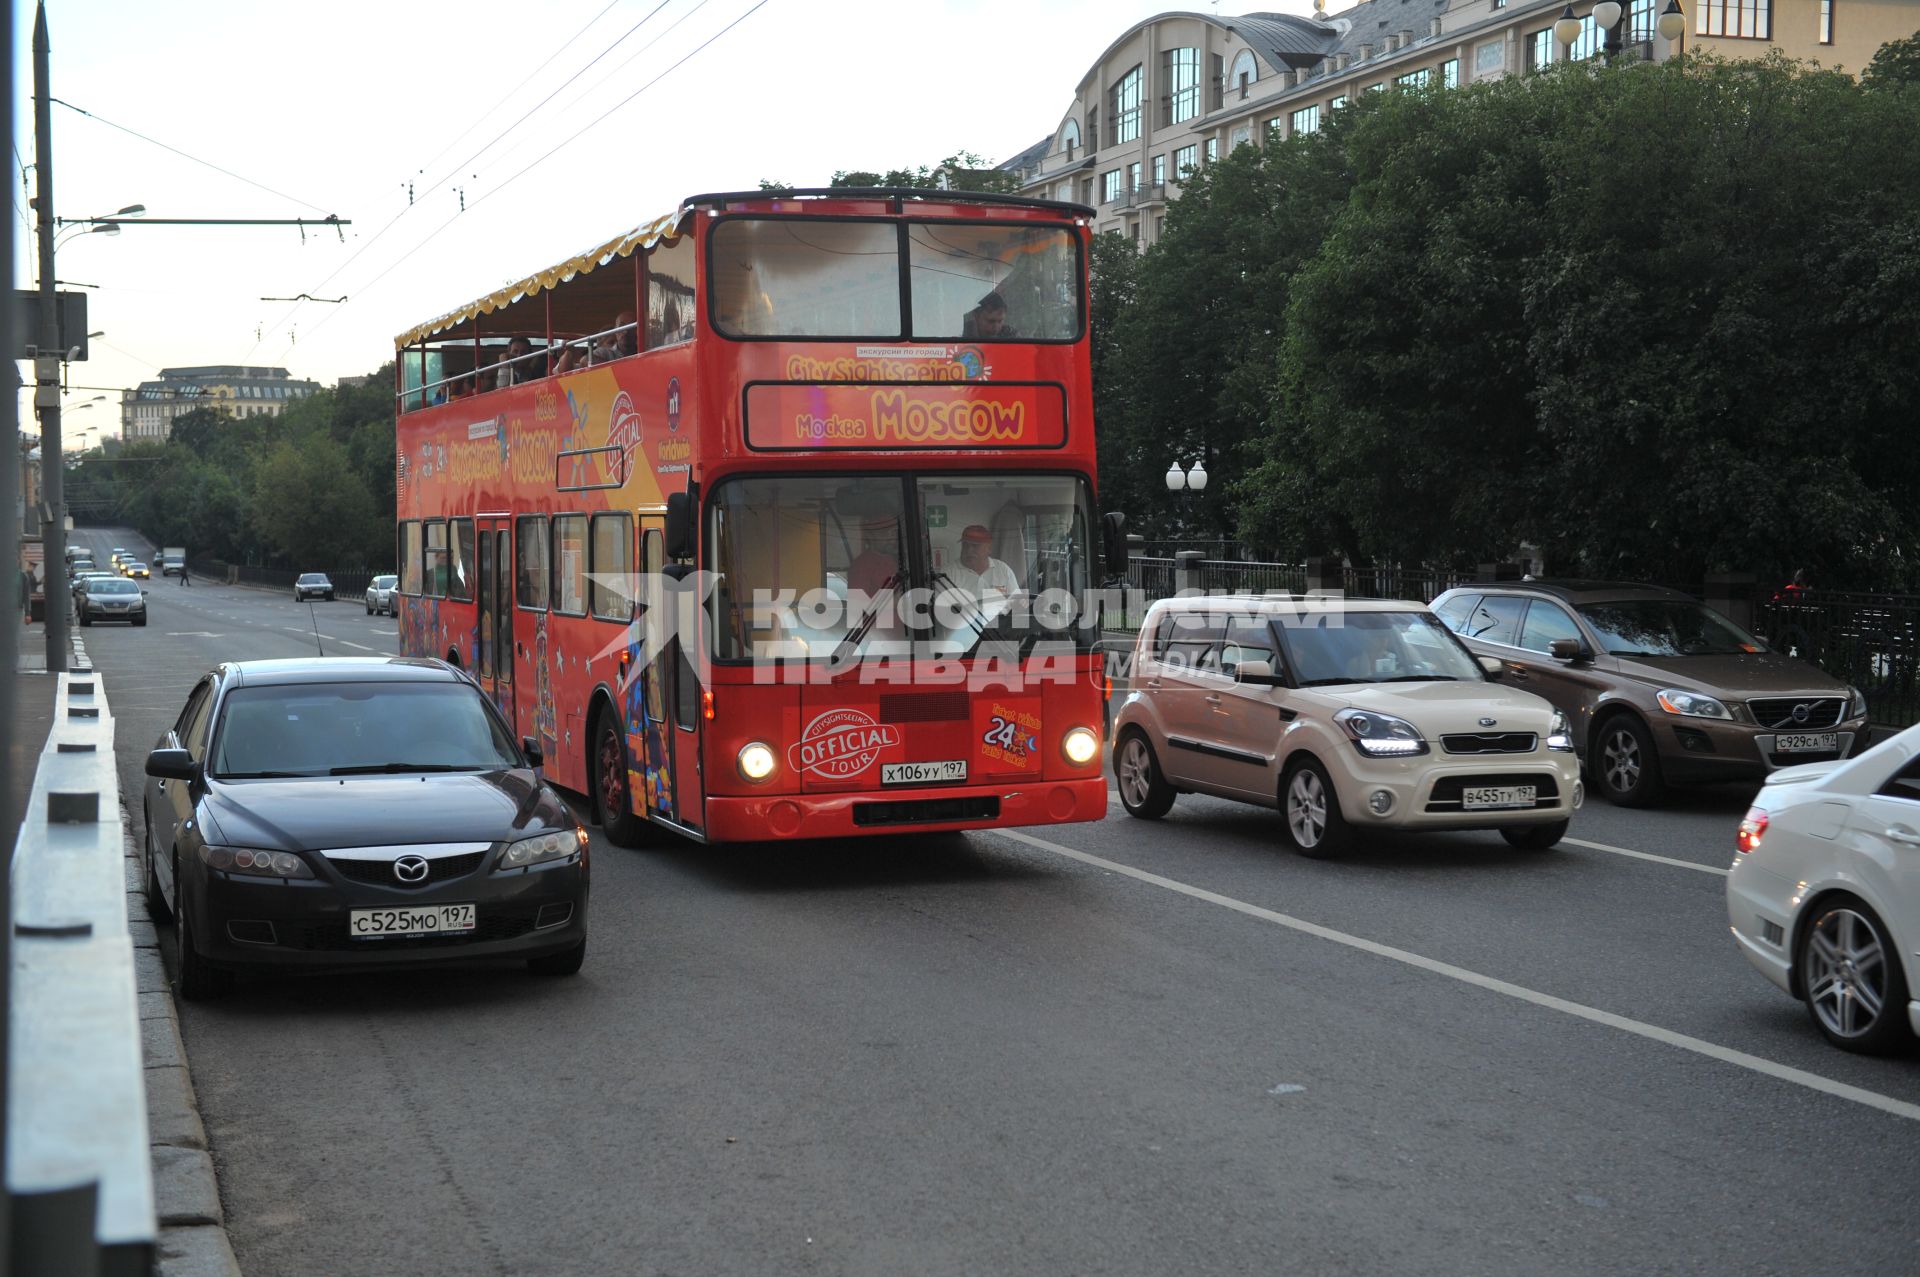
{"x":842,"y":743}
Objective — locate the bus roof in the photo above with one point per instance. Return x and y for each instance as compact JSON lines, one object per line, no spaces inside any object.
{"x":647,"y":234}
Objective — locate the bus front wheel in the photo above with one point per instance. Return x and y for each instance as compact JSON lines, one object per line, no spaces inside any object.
{"x":612,"y":795}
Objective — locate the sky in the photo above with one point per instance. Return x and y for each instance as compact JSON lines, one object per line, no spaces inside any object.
{"x":472,"y":145}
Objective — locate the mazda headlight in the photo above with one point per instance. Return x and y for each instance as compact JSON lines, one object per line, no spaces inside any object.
{"x":1559,"y":734}
{"x":1691,"y":704}
{"x":258,"y":864}
{"x":541,"y":849}
{"x":1381,"y":735}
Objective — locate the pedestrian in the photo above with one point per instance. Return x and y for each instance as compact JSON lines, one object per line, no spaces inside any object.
{"x":184,"y":578}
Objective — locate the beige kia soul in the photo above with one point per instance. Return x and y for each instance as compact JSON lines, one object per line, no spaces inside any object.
{"x":1347,"y":715}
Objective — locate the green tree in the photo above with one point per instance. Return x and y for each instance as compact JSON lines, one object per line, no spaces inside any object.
{"x":961,"y":171}
{"x":1896,"y":67}
{"x":306,"y":508}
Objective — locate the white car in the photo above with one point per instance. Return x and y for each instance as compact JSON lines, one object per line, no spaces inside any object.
{"x":380,"y":593}
{"x":1346,"y":715}
{"x":1824,"y":895}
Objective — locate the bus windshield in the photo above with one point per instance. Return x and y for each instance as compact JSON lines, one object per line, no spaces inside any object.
{"x":824,"y":278}
{"x":839,"y":567}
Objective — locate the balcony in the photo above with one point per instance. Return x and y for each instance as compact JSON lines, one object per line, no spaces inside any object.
{"x":1143,"y":196}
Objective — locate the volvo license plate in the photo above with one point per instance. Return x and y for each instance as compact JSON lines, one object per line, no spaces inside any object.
{"x":946,"y":772}
{"x":1806,"y":744}
{"x":427,"y":920}
{"x":1494,"y":797}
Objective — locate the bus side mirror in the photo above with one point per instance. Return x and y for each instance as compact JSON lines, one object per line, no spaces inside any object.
{"x":1113,"y":527}
{"x":679,"y":538}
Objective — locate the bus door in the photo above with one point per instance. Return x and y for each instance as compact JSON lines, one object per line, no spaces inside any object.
{"x":493,"y":600}
{"x":649,"y":694}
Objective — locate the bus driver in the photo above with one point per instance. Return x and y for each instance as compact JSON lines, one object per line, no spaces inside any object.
{"x":978,"y":572}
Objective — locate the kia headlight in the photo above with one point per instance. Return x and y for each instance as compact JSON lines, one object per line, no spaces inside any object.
{"x":257,"y":864}
{"x":542,"y":849}
{"x":1381,"y":735}
{"x":1691,"y":704}
{"x":1559,"y":734}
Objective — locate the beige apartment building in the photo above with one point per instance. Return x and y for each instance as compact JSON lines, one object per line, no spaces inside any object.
{"x":148,"y":410}
{"x":1178,"y":90}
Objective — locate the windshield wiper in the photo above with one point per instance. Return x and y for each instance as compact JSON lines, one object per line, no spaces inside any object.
{"x":1329,"y":682}
{"x":976,"y":616}
{"x":374,"y":769}
{"x":263,"y":775}
{"x":1419,"y":678}
{"x":858,"y":634}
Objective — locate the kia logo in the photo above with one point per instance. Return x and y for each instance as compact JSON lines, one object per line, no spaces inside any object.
{"x":410,"y":869}
{"x":1489,"y":722}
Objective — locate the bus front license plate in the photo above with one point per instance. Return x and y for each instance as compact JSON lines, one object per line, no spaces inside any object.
{"x":431,"y":920}
{"x":923,"y":773}
{"x":1490,"y":797}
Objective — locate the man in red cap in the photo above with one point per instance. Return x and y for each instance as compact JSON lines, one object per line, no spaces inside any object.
{"x":978,"y":572}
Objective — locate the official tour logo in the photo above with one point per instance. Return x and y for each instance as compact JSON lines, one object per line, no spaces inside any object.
{"x":842,"y":743}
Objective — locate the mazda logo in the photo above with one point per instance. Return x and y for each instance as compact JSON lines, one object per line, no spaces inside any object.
{"x":410,"y":869}
{"x":1802,"y":712}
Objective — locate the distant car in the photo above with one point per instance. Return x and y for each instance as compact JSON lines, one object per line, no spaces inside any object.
{"x":135,"y":570}
{"x":380,"y":593}
{"x":1347,"y":717}
{"x":80,"y":581}
{"x":1658,"y":686}
{"x":76,"y":566}
{"x":313,"y":585}
{"x":112,"y":598}
{"x":118,"y":553}
{"x":438,"y":841}
{"x":1824,"y":897}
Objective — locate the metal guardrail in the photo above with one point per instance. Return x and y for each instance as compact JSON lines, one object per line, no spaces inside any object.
{"x":79,"y":1165}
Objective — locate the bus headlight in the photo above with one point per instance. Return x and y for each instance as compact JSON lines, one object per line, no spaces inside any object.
{"x":756,"y":761}
{"x":1081,"y":745}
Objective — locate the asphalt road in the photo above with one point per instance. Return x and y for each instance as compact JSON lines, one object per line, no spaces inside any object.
{"x":1112,"y":1048}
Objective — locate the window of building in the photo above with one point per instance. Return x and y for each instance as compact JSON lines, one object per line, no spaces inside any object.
{"x":1183,"y":84}
{"x":1159,"y":170}
{"x":1241,"y":135}
{"x":1133,"y":177}
{"x":1540,"y":49}
{"x":1307,"y":119}
{"x":1069,"y":138}
{"x":1213,"y":149}
{"x":1826,"y":21}
{"x":570,"y":564}
{"x":1110,"y":186}
{"x":1641,"y":22}
{"x":1414,"y":79}
{"x":1245,"y":72}
{"x":1272,"y":130}
{"x":1339,"y":100}
{"x":1159,"y":227}
{"x":1093,"y":127}
{"x":612,"y":564}
{"x":1450,"y":73}
{"x":530,"y":554}
{"x":1185,"y":160}
{"x":1133,"y":230}
{"x":1375,"y":88}
{"x":1739,"y":19}
{"x":1499,"y":4}
{"x":1126,"y":106}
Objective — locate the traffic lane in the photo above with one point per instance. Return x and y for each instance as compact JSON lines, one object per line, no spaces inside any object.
{"x":962,"y":1055}
{"x":1643,"y":940}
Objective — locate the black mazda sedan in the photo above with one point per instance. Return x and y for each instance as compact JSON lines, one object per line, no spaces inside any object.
{"x":349,"y":812}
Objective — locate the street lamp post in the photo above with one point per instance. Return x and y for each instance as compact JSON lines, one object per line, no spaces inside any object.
{"x":1184,"y":484}
{"x":1611,"y":16}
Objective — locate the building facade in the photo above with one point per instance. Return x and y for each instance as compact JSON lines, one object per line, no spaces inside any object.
{"x":147,"y":412}
{"x":1178,"y":90}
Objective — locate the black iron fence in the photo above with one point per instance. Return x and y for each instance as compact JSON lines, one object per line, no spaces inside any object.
{"x":346,"y":585}
{"x":1870,"y":640}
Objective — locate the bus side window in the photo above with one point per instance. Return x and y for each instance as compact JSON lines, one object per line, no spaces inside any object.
{"x":686,"y":689}
{"x":670,"y":295}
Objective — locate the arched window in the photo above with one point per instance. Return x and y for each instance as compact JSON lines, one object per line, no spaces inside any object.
{"x":1070,"y":138}
{"x":1245,"y":71}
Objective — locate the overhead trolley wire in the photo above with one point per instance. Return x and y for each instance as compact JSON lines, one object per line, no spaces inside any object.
{"x":196,"y":159}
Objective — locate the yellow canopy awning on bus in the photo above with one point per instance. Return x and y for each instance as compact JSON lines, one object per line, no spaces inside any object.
{"x":643,"y":236}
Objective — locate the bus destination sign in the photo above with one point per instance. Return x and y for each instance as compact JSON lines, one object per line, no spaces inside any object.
{"x":785,"y":416}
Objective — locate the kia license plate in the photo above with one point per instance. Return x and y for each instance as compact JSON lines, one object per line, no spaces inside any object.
{"x":941,"y":773}
{"x":1495,"y":797}
{"x":1807,"y":744}
{"x":429,"y":920}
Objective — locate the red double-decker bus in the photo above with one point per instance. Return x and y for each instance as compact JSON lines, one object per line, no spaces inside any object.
{"x":775,"y":517}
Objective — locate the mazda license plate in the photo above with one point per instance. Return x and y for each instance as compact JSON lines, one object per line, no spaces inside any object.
{"x":428,"y":920}
{"x":1494,"y":797}
{"x":1806,"y":744}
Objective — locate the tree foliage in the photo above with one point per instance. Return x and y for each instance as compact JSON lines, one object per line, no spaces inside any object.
{"x":310,"y":488}
{"x":961,"y":171}
{"x":1656,"y":319}
{"x":1896,"y":67}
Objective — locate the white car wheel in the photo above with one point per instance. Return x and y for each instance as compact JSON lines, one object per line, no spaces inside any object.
{"x":1851,"y":975}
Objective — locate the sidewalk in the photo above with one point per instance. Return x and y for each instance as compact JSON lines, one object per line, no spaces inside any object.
{"x":191,"y":1239}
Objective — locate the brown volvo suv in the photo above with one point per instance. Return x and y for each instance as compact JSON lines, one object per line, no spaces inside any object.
{"x":1658,"y":686}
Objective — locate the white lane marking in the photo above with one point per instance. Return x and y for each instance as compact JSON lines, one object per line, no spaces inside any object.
{"x":193,"y":634}
{"x":1653,"y":1032}
{"x":356,"y":646}
{"x":1113,"y":800}
{"x":1642,"y":855}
